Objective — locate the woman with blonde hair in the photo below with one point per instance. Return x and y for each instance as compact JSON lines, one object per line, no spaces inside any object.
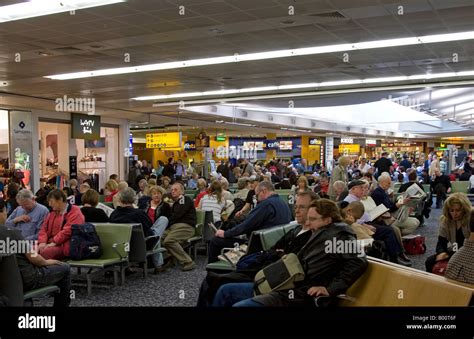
{"x":112,"y":187}
{"x":453,"y":229}
{"x":339,"y":174}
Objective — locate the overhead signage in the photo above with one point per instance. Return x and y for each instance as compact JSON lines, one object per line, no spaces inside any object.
{"x":271,"y":144}
{"x":202,"y":140}
{"x":220,"y":138}
{"x":85,"y":126}
{"x":164,"y":141}
{"x":190,"y":145}
{"x":370,"y":142}
{"x":315,"y":141}
{"x":349,"y":149}
{"x":347,"y":140}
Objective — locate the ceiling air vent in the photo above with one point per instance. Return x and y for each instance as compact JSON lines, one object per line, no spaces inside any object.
{"x":328,"y":15}
{"x":270,"y":118}
{"x":293,"y":121}
{"x":313,"y":124}
{"x":244,"y":113}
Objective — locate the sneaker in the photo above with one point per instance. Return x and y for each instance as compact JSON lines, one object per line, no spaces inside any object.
{"x":189,"y":266}
{"x":404,"y":257}
{"x":400,"y":261}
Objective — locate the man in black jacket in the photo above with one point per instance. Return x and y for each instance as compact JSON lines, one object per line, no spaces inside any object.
{"x":291,"y":242}
{"x":169,"y":170}
{"x":329,"y":269}
{"x":181,"y":227}
{"x":440,"y":186}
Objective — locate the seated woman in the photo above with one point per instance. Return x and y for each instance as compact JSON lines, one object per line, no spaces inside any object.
{"x":111,"y":187}
{"x":214,"y":202}
{"x":453,"y":229}
{"x":90,"y":200}
{"x":54,"y":236}
{"x":302,"y":185}
{"x":327,"y":273}
{"x":461,"y":265}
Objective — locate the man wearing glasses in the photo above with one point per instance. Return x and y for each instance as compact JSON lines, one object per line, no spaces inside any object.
{"x":270,"y":211}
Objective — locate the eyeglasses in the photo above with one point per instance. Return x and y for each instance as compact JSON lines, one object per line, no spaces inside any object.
{"x":302,"y":207}
{"x":315,"y":219}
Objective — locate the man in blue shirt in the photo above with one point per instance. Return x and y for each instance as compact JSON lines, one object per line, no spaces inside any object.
{"x":271,"y":210}
{"x":28,"y":216}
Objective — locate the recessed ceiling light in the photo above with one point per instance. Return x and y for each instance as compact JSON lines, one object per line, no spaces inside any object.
{"x":44,"y":54}
{"x":287,"y":22}
{"x":313,"y":50}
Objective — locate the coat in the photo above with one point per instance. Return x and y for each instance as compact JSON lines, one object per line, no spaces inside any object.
{"x":57,"y":227}
{"x":335,"y":271}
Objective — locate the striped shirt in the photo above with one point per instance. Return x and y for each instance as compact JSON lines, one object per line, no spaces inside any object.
{"x":210,"y":203}
{"x":461,"y":264}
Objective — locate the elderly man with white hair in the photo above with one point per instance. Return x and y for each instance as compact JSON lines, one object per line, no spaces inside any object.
{"x":28,"y":216}
{"x":380,"y":196}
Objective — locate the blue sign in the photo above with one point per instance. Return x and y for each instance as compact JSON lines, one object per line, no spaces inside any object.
{"x":130,"y":144}
{"x":271,"y":144}
{"x":190,"y":146}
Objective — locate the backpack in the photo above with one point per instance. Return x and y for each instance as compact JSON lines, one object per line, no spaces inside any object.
{"x":253,"y":262}
{"x":85,"y":243}
{"x":414,"y":245}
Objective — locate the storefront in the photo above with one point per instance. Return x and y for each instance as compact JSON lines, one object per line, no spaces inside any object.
{"x":83,"y":147}
{"x":414,"y":150}
{"x":315,"y":151}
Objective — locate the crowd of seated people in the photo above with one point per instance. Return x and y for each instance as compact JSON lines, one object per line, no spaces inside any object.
{"x":341,"y":204}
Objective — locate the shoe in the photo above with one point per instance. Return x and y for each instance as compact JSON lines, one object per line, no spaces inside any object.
{"x":189,"y":266}
{"x":403,"y":262}
{"x":404,"y":257}
{"x":160,"y":269}
{"x":169,"y":263}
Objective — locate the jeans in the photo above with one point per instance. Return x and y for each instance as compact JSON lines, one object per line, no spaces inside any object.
{"x":230,"y":294}
{"x":59,"y":275}
{"x":159,"y":228}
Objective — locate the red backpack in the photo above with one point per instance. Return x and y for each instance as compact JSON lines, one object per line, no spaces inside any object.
{"x":414,"y":245}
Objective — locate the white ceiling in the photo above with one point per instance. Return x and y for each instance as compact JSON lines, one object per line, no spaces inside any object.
{"x":153,"y":31}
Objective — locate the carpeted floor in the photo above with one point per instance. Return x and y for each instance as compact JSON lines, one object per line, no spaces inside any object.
{"x":177,"y":288}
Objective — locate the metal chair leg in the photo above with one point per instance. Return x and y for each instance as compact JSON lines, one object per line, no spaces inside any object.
{"x":145,"y":269}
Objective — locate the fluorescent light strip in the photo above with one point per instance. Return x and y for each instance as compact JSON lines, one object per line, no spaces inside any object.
{"x":308,"y":85}
{"x":35,"y":8}
{"x":270,"y":55}
{"x":318,"y":93}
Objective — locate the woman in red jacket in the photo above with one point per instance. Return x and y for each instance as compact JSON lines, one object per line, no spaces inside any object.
{"x":55,"y":234}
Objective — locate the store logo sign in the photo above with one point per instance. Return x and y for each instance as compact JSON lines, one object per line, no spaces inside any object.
{"x":315,"y":141}
{"x":21,"y":124}
{"x":347,"y":140}
{"x":66,"y":104}
{"x":87,"y":126}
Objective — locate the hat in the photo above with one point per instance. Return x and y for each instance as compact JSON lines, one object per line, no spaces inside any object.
{"x":356,"y":182}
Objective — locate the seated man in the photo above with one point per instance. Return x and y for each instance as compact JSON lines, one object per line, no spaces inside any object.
{"x":54,"y":238}
{"x":271,"y":210}
{"x":461,"y":264}
{"x":126,"y":213}
{"x":181,"y":227}
{"x":38,"y":272}
{"x":327,"y":273}
{"x":28,"y":216}
{"x":380,"y":196}
{"x":291,"y":242}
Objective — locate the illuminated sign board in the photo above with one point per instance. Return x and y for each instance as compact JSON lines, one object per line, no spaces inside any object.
{"x":315,"y":141}
{"x":165,"y":141}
